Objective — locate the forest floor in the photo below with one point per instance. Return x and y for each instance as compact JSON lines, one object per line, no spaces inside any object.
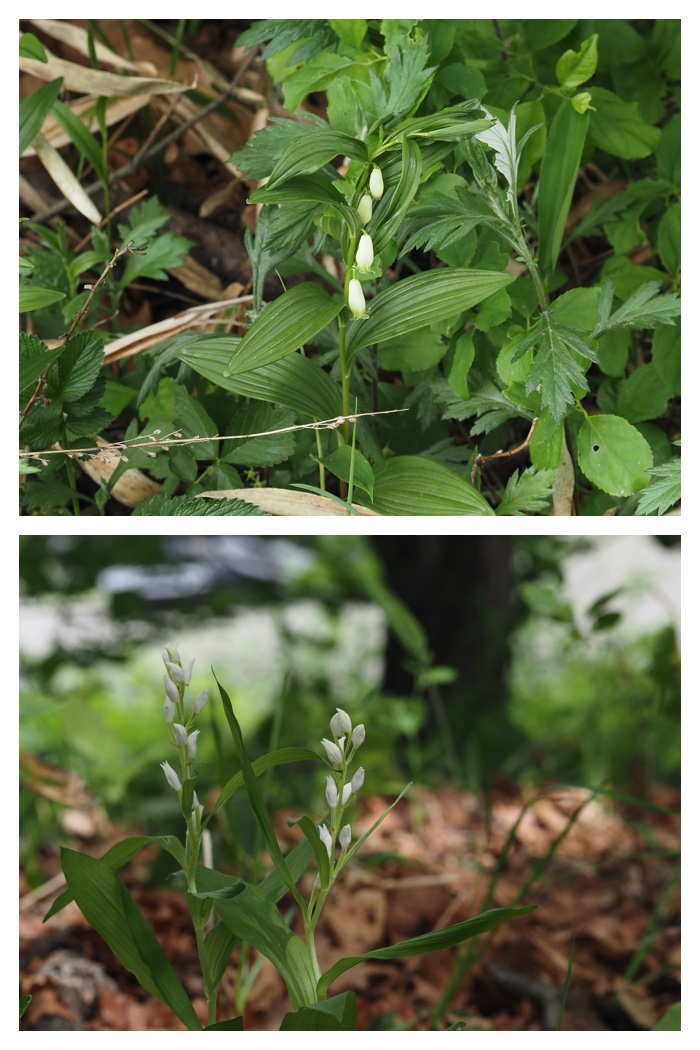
{"x":604,"y":874}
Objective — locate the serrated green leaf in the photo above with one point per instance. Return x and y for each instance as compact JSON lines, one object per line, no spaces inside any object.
{"x":663,"y":491}
{"x":185,"y":506}
{"x":428,"y":942}
{"x":77,"y":368}
{"x":414,"y":485}
{"x":296,"y":381}
{"x":420,"y":300}
{"x":556,"y":368}
{"x":34,"y":358}
{"x":643,"y":394}
{"x":33,"y":298}
{"x":644,"y":309}
{"x":259,"y":155}
{"x":527,"y":493}
{"x":283,"y":326}
{"x":111,"y":910}
{"x":33,"y":110}
{"x":614,"y":455}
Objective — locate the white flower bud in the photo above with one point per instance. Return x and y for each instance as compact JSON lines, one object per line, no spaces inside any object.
{"x":376,"y":183}
{"x":341,"y":743}
{"x":331,"y":792}
{"x":364,"y":256}
{"x":175,"y":672}
{"x":335,"y":755}
{"x":358,"y":735}
{"x":364,"y":209}
{"x":187,"y":672}
{"x":201,"y":701}
{"x":171,"y":776}
{"x":168,"y":710}
{"x":171,"y":690}
{"x":347,"y":792}
{"x":340,"y":722}
{"x":325,"y":837}
{"x":356,"y":300}
{"x":358,"y":780}
{"x":170,"y":655}
{"x":345,"y":836}
{"x":180,"y":734}
{"x":192,"y":745}
{"x":197,"y":807}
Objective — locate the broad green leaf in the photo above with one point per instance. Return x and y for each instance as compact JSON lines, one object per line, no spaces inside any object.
{"x":337,"y":1014}
{"x":414,"y":485}
{"x":283,"y":326}
{"x":668,"y":239}
{"x":341,"y":461}
{"x":234,"y":1024}
{"x":111,"y":910}
{"x":558,"y":174}
{"x":541,"y":33}
{"x":310,"y":152}
{"x":350,"y":30}
{"x":412,"y":352}
{"x":254,"y":918}
{"x":671,"y":1020}
{"x":643,"y":394}
{"x":614,"y":455}
{"x":576,"y":67}
{"x":547,"y":443}
{"x":33,"y":110}
{"x":304,"y":188}
{"x":666,"y":355}
{"x":420,"y":300}
{"x":33,"y":298}
{"x":265,"y":451}
{"x":295,"y":381}
{"x":427,"y":942}
{"x":617,"y":127}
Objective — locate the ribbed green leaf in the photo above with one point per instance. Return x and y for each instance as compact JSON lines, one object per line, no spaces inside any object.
{"x":427,"y":942}
{"x":283,"y":326}
{"x":33,"y":298}
{"x":110,"y":909}
{"x":295,"y":382}
{"x":414,"y":485}
{"x":312,"y":151}
{"x":558,"y":174}
{"x":33,"y":109}
{"x":304,"y":188}
{"x":421,"y":300}
{"x":255,"y":919}
{"x":387,"y":222}
{"x":120,"y":854}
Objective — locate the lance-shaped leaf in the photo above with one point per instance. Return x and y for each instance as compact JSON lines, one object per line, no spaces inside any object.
{"x":295,"y":381}
{"x":257,"y":801}
{"x":508,"y":151}
{"x":558,"y":174}
{"x":422,"y":299}
{"x":388,"y":217}
{"x":283,"y":327}
{"x":275,"y":758}
{"x":427,"y":942}
{"x":614,"y":455}
{"x":312,"y":151}
{"x":303,"y":188}
{"x":110,"y":909}
{"x":120,"y":854}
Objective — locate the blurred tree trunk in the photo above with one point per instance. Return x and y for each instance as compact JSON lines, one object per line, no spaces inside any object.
{"x":461,"y":589}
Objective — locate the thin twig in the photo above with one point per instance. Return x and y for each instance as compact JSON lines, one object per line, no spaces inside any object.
{"x":164,"y":443}
{"x":480,"y":460}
